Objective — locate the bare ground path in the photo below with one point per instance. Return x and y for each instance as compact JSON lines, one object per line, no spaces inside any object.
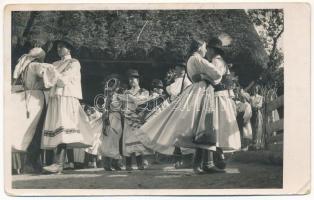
{"x":159,"y":176}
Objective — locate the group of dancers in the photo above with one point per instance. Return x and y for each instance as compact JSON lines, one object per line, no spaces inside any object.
{"x":199,"y":112}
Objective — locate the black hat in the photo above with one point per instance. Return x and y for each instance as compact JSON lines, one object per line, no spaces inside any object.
{"x":133,"y":73}
{"x":157,"y":83}
{"x":67,"y":42}
{"x":216,"y":44}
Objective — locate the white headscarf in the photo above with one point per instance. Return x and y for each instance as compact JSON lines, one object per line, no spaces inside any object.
{"x":26,"y":59}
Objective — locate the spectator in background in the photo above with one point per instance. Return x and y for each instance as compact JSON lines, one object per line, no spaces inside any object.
{"x":257,"y":102}
{"x":270,"y":96}
{"x":180,"y":82}
{"x":244,"y":115}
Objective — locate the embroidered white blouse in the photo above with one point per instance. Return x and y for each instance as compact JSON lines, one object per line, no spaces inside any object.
{"x":198,"y":65}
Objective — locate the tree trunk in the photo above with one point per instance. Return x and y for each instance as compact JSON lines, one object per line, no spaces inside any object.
{"x":272,"y":54}
{"x":30,"y":23}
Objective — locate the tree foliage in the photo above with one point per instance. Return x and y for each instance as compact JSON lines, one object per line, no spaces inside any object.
{"x":270,"y":27}
{"x":157,"y":37}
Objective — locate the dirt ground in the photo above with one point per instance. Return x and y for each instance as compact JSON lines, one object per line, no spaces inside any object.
{"x":158,"y":176}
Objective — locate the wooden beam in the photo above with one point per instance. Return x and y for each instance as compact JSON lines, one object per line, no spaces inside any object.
{"x":275,"y":104}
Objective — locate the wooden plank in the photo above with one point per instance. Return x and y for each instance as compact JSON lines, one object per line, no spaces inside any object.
{"x":276,"y":138}
{"x":274,"y":126}
{"x":274,"y":104}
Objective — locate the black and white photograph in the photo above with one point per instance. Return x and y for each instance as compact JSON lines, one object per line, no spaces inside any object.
{"x":182,"y":98}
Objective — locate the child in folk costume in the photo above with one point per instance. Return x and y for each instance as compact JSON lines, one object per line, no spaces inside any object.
{"x":257,"y":118}
{"x":187,"y":121}
{"x":92,"y":152}
{"x":244,"y":119}
{"x":77,"y":155}
{"x":66,"y":124}
{"x":30,"y":105}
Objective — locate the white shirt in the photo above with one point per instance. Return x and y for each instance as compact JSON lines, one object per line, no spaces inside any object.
{"x":174,"y":89}
{"x":198,"y":65}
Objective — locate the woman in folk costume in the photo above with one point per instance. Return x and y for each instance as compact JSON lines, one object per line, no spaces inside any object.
{"x":131,"y":145}
{"x":225,"y":122}
{"x":66,"y":124}
{"x":29,"y":103}
{"x":187,"y":121}
{"x":244,"y":118}
{"x":257,"y":118}
{"x":110,"y":126}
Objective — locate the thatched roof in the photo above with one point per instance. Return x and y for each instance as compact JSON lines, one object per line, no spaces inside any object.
{"x":158,"y":37}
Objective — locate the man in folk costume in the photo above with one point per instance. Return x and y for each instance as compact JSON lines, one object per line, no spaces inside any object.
{"x":66,"y":124}
{"x":29,"y":103}
{"x":131,"y":144}
{"x":225,"y":123}
{"x":181,"y":82}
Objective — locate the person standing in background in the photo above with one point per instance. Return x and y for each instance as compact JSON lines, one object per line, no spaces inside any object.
{"x":160,"y":102}
{"x":257,"y":118}
{"x":181,"y":81}
{"x":244,"y":115}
